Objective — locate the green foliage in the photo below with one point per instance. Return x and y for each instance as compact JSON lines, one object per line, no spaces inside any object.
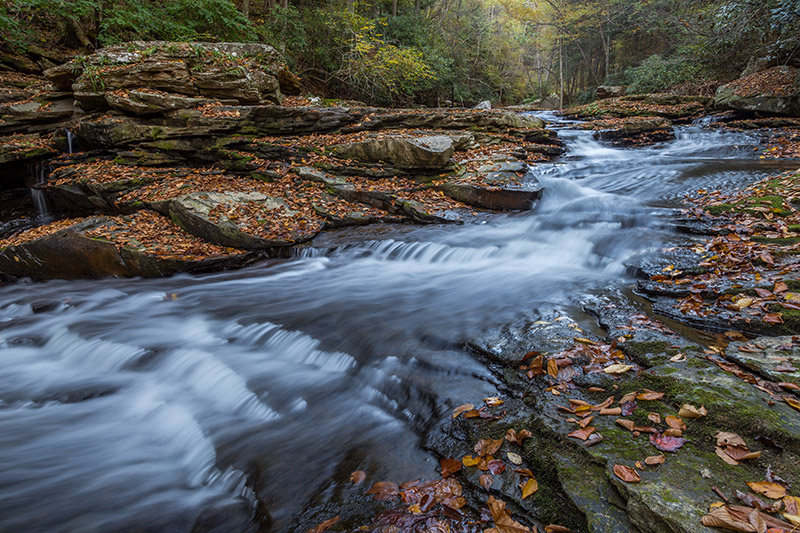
{"x":659,"y":74}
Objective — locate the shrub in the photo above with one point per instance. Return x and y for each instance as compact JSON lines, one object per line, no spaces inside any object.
{"x":658,"y":74}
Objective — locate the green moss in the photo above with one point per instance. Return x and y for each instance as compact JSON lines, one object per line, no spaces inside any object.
{"x":719,"y":209}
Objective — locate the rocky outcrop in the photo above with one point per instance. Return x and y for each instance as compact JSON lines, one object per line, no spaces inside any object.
{"x":631,"y":130}
{"x":403,"y":152}
{"x":609,"y":91}
{"x":191,"y":132}
{"x":121,"y":76}
{"x":774,"y":91}
{"x":144,"y":244}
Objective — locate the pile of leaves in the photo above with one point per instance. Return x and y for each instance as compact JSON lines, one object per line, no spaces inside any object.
{"x":776,"y":81}
{"x":757,"y":243}
{"x":626,"y":107}
{"x":757,"y":515}
{"x":35,"y":233}
{"x":153,"y":234}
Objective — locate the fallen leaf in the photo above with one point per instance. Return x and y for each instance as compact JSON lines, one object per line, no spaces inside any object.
{"x":655,"y":459}
{"x":357,"y":477}
{"x":518,"y":436}
{"x":615,"y":411}
{"x":768,"y":489}
{"x":649,"y":395}
{"x":725,"y":438}
{"x":627,"y":474}
{"x":493,"y":401}
{"x":655,"y":418}
{"x":449,"y":466}
{"x":617,"y":369}
{"x":383,"y":490}
{"x":690,"y":411}
{"x":725,"y":457}
{"x":666,"y":443}
{"x":627,"y":424}
{"x":513,"y":458}
{"x":773,"y":318}
{"x":792,"y":402}
{"x":555,"y":528}
{"x":502,"y":519}
{"x":469,"y":460}
{"x":496,"y":466}
{"x":552,"y":368}
{"x":462,"y":409}
{"x":722,"y":518}
{"x":488,"y":446}
{"x":529,"y":487}
{"x":582,"y":433}
{"x":586,"y":421}
{"x":486,"y":480}
{"x":675,"y":422}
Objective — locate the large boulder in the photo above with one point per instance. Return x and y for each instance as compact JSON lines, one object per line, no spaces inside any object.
{"x":775,"y":91}
{"x":423,"y":153}
{"x":610,"y":91}
{"x":245,"y":73}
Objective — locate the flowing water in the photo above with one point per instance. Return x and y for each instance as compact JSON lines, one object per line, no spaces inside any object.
{"x":148,"y":405}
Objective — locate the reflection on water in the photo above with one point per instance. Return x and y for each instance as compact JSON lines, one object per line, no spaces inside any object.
{"x":152,"y":404}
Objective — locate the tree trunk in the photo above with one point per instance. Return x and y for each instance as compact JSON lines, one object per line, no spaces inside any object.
{"x":560,"y":75}
{"x":394,"y":8}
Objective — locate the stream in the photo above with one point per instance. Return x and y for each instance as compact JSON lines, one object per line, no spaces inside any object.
{"x":168,"y":404}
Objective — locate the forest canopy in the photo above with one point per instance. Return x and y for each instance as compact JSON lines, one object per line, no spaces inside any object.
{"x":405,"y":52}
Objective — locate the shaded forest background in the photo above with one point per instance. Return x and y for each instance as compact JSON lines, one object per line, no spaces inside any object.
{"x":432,"y":52}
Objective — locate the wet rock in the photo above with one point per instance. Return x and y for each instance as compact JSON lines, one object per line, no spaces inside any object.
{"x":424,"y":153}
{"x":486,"y":104}
{"x":502,"y":186}
{"x":215,"y":217}
{"x":775,"y":91}
{"x":102,"y":247}
{"x":775,"y":358}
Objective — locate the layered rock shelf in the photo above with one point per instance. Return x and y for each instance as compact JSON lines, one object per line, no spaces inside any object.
{"x":184,"y":159}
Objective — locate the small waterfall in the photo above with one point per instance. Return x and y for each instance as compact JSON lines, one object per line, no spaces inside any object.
{"x":70,"y":136}
{"x":38,"y":196}
{"x":705,"y":122}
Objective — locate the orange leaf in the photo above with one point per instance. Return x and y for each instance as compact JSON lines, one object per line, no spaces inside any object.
{"x":529,"y":487}
{"x":627,"y":474}
{"x":357,"y":477}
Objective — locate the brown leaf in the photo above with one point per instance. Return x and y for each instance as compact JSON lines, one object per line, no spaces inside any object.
{"x":741,"y":454}
{"x":582,"y":433}
{"x":726,"y":438}
{"x":655,"y":459}
{"x":672,"y":432}
{"x":552,"y":368}
{"x":486,"y":480}
{"x":792,"y":402}
{"x":675,"y":422}
{"x":604,"y":404}
{"x":655,"y":418}
{"x":627,"y":424}
{"x":555,"y":528}
{"x":488,"y":446}
{"x":449,"y":466}
{"x":357,"y":477}
{"x":627,"y":474}
{"x":773,"y":318}
{"x":502,"y":519}
{"x":649,"y":395}
{"x":586,"y":421}
{"x":493,"y":401}
{"x":725,"y":457}
{"x":768,"y":489}
{"x":721,"y":517}
{"x":690,"y":411}
{"x":780,"y":287}
{"x":383,"y":490}
{"x":613,"y":411}
{"x":518,"y":436}
{"x":529,"y":487}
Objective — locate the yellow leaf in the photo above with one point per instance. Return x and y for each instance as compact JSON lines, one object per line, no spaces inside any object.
{"x":529,"y":487}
